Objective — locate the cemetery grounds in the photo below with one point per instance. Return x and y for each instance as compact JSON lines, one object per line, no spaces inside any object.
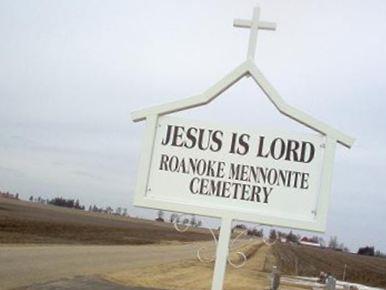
{"x":25,"y":225}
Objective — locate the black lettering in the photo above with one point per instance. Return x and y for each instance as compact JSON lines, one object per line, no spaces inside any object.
{"x":217,"y":141}
{"x":168,"y":134}
{"x":267,"y":192}
{"x":233,"y":143}
{"x":292,"y":147}
{"x":225,"y":189}
{"x":304,"y":182}
{"x":191,"y":137}
{"x":164,"y":160}
{"x":173,"y":163}
{"x":303,"y":152}
{"x":245,"y":192}
{"x":255,"y":193}
{"x":204,"y":186}
{"x":177,"y":136}
{"x":244,"y":144}
{"x":274,"y":146}
{"x":260,"y":148}
{"x":196,"y":179}
{"x":201,"y":139}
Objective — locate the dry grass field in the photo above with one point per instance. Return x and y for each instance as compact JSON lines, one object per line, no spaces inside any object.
{"x":194,"y":275}
{"x":309,"y":261}
{"x":28,"y":223}
{"x":25,"y":222}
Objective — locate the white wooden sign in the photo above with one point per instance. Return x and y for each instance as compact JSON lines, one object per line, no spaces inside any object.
{"x":252,"y":174}
{"x":264,"y":176}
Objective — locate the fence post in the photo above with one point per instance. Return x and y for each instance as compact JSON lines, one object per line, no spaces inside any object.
{"x":344,"y":272}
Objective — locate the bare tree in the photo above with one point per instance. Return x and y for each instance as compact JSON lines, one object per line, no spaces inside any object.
{"x":173,"y":218}
{"x":292,"y":237}
{"x":193,"y":221}
{"x":160,"y":216}
{"x":272,"y":235}
{"x":333,"y":243}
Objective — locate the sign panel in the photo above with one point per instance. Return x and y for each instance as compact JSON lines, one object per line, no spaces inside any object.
{"x":266,"y":172}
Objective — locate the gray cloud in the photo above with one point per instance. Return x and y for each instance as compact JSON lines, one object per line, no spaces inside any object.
{"x":71,"y":72}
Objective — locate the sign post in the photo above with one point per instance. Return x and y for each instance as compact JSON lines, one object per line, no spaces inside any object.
{"x":222,"y":253}
{"x":271,"y":177}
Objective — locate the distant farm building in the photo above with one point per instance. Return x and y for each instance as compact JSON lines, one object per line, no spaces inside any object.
{"x":310,"y":242}
{"x":366,"y":251}
{"x":9,"y":195}
{"x":283,"y":240}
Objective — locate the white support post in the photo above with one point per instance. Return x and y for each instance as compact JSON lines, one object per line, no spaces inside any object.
{"x":222,"y":253}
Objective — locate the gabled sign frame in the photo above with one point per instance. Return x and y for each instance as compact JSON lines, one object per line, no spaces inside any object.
{"x":152,"y":115}
{"x":248,"y":68}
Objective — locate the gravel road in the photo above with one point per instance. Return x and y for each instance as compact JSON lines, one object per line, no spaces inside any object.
{"x":25,"y":265}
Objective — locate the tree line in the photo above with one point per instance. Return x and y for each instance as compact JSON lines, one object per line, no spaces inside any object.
{"x":193,"y":221}
{"x":75,"y":204}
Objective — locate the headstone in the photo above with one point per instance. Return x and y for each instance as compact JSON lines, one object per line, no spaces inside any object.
{"x":330,"y":283}
{"x":275,"y":278}
{"x":322,"y":277}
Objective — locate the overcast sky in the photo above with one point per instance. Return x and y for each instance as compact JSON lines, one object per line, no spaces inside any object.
{"x":72,"y":71}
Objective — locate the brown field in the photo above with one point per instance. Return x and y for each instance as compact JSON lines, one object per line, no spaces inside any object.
{"x":29,"y":223}
{"x":25,"y":222}
{"x":194,"y":275}
{"x":309,"y":261}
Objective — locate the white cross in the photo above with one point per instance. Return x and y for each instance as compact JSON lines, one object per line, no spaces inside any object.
{"x":254,"y":25}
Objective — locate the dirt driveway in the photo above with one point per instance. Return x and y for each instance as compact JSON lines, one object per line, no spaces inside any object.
{"x":25,"y":265}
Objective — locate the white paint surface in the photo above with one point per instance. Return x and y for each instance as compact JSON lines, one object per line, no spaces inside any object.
{"x":170,"y":185}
